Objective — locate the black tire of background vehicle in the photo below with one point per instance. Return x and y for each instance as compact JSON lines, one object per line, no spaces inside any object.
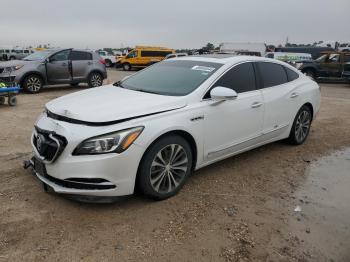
{"x":74,"y":84}
{"x":310,"y":73}
{"x":12,"y":58}
{"x":12,"y":100}
{"x":292,"y":139}
{"x":95,"y":79}
{"x":108,"y":63}
{"x":144,"y":173}
{"x":32,"y":84}
{"x":2,"y":100}
{"x":126,"y":67}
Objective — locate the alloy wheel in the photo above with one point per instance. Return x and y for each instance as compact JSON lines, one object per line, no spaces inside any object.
{"x":168,"y":168}
{"x":33,"y":84}
{"x":96,"y":80}
{"x":302,"y":126}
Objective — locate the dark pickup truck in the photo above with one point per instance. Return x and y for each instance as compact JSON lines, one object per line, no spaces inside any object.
{"x":328,"y":65}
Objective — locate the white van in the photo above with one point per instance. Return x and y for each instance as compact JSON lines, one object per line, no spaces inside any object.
{"x":288,"y":57}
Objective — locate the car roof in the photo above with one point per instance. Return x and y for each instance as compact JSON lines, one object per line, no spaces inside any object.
{"x":226,"y":59}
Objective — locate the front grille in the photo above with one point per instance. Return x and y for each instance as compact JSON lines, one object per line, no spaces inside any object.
{"x":48,"y":144}
{"x":9,"y":79}
{"x":79,"y":185}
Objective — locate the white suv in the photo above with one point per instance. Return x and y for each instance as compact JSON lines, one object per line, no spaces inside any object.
{"x":157,"y":126}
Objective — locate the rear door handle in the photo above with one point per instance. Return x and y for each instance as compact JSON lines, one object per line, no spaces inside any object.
{"x":256,"y":104}
{"x":64,"y":64}
{"x":89,"y":63}
{"x":294,"y":95}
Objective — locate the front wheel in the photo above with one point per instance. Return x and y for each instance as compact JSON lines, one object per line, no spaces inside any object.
{"x":165,"y":167}
{"x":33,"y":84}
{"x":95,"y":80}
{"x":301,"y":126}
{"x":310,"y":73}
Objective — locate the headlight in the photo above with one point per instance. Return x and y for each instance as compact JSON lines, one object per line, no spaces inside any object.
{"x":298,"y":65}
{"x":115,"y":142}
{"x":12,"y":68}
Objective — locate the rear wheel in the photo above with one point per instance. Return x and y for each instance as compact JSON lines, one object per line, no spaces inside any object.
{"x":33,"y":84}
{"x":108,"y":63}
{"x":2,"y":100}
{"x":165,"y":167}
{"x":301,"y":126}
{"x":126,"y":67}
{"x":95,"y":80}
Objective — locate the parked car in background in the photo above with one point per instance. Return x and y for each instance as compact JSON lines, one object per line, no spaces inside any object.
{"x":314,"y":51}
{"x":109,"y":59}
{"x":156,"y":127}
{"x":61,"y":66}
{"x":345,"y":47}
{"x":289,"y":57}
{"x":233,"y":48}
{"x":176,"y":55}
{"x":248,"y":53}
{"x":143,"y":56}
{"x":346,"y":72}
{"x":14,"y":54}
{"x":329,"y":64}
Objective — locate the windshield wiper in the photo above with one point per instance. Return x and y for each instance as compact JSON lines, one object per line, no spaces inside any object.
{"x":145,"y":91}
{"x":119,"y":83}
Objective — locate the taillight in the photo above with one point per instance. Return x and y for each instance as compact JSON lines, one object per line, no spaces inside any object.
{"x":102,"y":61}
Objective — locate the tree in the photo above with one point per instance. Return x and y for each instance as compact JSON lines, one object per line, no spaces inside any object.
{"x":209,"y":46}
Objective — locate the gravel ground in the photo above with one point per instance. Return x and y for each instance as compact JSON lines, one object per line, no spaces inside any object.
{"x":236,"y":210}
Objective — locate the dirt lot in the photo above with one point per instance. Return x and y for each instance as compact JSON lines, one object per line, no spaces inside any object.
{"x":240,"y":209}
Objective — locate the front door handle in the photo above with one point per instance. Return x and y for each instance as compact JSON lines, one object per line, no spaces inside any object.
{"x":64,"y":64}
{"x":294,"y":95}
{"x":256,"y":104}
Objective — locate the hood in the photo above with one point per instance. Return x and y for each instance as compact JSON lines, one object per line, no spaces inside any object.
{"x":109,"y":104}
{"x":15,"y":63}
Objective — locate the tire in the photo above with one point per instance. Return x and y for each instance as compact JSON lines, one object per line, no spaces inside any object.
{"x":310,"y":73}
{"x":12,"y":100}
{"x":108,"y":63}
{"x":2,"y":100}
{"x":95,"y":79}
{"x":160,"y":178}
{"x":32,"y":84}
{"x":12,"y":58}
{"x":74,"y":84}
{"x":126,"y":67}
{"x":301,"y":126}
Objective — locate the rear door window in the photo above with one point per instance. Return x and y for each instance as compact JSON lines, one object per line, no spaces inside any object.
{"x":272,"y":74}
{"x":79,"y":56}
{"x":240,"y":78}
{"x":291,"y":74}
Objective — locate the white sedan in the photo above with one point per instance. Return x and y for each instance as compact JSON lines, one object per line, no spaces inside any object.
{"x":153,"y":129}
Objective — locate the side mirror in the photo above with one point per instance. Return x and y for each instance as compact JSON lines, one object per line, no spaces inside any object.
{"x":223,"y":93}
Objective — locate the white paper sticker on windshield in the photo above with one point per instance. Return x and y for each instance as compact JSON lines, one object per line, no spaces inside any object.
{"x":203,"y":68}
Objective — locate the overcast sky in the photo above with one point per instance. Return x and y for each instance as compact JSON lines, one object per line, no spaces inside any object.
{"x":176,"y":24}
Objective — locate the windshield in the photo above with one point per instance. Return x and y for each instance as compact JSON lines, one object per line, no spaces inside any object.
{"x":40,"y":55}
{"x":171,"y":77}
{"x":321,"y":58}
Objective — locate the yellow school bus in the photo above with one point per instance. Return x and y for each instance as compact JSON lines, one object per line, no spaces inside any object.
{"x":142,"y":56}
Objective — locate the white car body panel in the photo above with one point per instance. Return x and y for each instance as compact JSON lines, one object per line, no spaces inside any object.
{"x":219,"y":129}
